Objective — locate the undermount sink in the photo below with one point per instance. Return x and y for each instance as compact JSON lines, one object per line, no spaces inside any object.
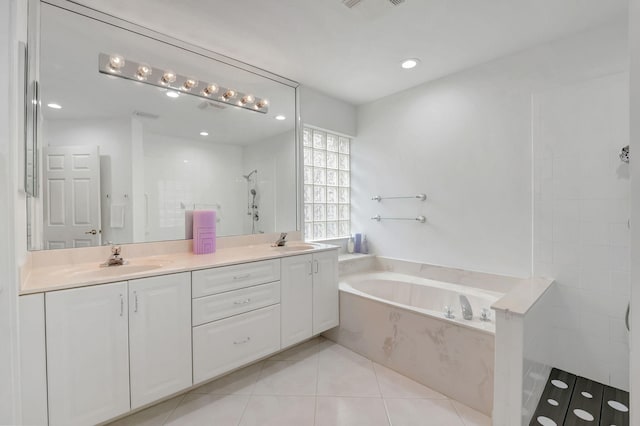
{"x":296,"y":247}
{"x":110,"y":271}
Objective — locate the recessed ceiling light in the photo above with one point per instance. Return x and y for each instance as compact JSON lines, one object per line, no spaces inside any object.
{"x":54,"y":106}
{"x":407,"y":64}
{"x":173,"y":94}
{"x":280,"y":117}
{"x":204,"y":134}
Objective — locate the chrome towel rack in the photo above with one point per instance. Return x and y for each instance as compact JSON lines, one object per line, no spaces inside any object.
{"x":421,"y":197}
{"x":420,"y":218}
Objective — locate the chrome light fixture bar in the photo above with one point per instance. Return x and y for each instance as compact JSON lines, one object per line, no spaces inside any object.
{"x":118,"y":66}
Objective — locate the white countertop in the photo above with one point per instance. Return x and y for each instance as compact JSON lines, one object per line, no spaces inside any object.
{"x":50,"y":278}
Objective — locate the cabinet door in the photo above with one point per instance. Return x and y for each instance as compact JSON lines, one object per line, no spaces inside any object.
{"x":87,"y":354}
{"x":325,"y":291}
{"x":296,"y":283}
{"x":160,"y":336}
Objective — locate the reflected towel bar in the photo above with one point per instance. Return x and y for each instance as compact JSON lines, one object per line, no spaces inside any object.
{"x":420,"y":218}
{"x":421,"y":197}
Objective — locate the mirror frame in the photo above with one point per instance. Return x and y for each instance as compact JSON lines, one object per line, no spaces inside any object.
{"x":33,"y":103}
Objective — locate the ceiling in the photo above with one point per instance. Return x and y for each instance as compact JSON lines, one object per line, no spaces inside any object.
{"x":354,"y":54}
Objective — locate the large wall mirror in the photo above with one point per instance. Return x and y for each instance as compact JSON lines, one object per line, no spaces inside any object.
{"x":134,"y":130}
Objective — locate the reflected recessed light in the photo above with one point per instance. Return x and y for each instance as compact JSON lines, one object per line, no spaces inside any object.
{"x":280,"y":117}
{"x":54,"y":106}
{"x":173,"y":94}
{"x":204,"y":134}
{"x":407,"y":64}
{"x":185,"y":161}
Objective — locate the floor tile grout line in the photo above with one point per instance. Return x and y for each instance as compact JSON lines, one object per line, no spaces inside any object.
{"x":315,"y":407}
{"x":182,"y":397}
{"x":386,"y":409}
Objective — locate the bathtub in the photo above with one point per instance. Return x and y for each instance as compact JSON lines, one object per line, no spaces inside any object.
{"x":398,"y":320}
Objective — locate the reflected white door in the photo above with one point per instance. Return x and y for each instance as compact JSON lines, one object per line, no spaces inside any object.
{"x":71,"y":193}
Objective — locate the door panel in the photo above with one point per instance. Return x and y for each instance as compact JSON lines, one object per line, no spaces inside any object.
{"x":296,"y":282}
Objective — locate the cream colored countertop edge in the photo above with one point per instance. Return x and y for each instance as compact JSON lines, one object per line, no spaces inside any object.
{"x":523,"y":296}
{"x":61,"y":277}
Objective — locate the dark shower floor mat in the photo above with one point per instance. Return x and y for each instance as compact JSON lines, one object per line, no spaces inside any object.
{"x":569,"y":400}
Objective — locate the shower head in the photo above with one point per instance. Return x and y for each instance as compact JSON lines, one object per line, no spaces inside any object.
{"x":624,"y":154}
{"x":247,"y":177}
{"x":253,"y":192}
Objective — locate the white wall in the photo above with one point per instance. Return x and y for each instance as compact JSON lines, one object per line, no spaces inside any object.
{"x":634,"y":49}
{"x":581,"y":218}
{"x":192,"y":172}
{"x":275,"y":160}
{"x":465,"y":141}
{"x":113,"y":137}
{"x":326,"y":112}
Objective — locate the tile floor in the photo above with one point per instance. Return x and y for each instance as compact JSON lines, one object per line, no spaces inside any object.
{"x":315,"y":383}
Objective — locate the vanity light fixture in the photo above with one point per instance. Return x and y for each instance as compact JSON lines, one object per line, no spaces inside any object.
{"x":118,"y":66}
{"x":203,"y":133}
{"x":54,"y":106}
{"x":407,"y":64}
{"x":280,"y":117}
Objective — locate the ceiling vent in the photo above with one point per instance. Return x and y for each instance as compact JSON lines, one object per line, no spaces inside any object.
{"x":207,"y":105}
{"x":143,"y":114}
{"x":351,"y":3}
{"x":396,"y":2}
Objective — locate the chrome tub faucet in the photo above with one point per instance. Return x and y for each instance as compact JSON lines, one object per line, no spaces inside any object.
{"x":467,"y":312}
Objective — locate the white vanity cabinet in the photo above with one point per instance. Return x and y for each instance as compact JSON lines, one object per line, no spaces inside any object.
{"x":87,"y":354}
{"x":309,"y":295}
{"x":236,"y":316}
{"x":116,"y":347}
{"x":159,"y":337}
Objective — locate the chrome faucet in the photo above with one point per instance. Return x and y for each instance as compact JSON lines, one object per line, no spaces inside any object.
{"x":467,"y":312}
{"x":281,"y":241}
{"x":115,"y":259}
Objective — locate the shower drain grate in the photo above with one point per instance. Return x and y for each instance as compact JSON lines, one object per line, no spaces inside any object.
{"x":569,"y":400}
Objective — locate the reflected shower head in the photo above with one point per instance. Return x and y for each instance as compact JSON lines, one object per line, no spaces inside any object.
{"x":247,"y":177}
{"x":253,"y":192}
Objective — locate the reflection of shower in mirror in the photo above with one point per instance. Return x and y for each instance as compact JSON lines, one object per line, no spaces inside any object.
{"x":252,"y":205}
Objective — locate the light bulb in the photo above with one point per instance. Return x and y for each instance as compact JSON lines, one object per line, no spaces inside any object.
{"x":189,"y":84}
{"x":143,"y":72}
{"x":210,"y":89}
{"x":203,"y":133}
{"x":229,"y":94}
{"x":247,"y":99}
{"x":116,"y":63}
{"x":262,"y":103}
{"x":168,"y":77}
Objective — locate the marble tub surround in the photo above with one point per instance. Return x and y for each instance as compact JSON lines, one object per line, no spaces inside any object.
{"x":483,"y":280}
{"x":298,"y":387}
{"x":351,"y":263}
{"x":453,"y":360}
{"x":85,"y":270}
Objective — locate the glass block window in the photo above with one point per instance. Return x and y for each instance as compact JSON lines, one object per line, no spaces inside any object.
{"x":326,"y":185}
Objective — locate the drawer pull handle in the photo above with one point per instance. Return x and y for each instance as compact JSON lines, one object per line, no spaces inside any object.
{"x":242,"y":342}
{"x":242,"y":302}
{"x":241,"y":277}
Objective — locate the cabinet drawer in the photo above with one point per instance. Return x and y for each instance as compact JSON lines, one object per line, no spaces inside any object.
{"x":223,"y":305}
{"x":223,"y":345}
{"x":227,"y":278}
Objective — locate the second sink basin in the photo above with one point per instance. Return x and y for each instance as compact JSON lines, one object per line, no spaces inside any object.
{"x":296,"y":247}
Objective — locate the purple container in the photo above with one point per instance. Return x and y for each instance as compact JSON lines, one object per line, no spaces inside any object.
{"x":204,"y":231}
{"x":358,"y":244}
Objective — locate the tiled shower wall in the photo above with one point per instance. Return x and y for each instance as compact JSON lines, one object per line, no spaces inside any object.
{"x":581,"y":213}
